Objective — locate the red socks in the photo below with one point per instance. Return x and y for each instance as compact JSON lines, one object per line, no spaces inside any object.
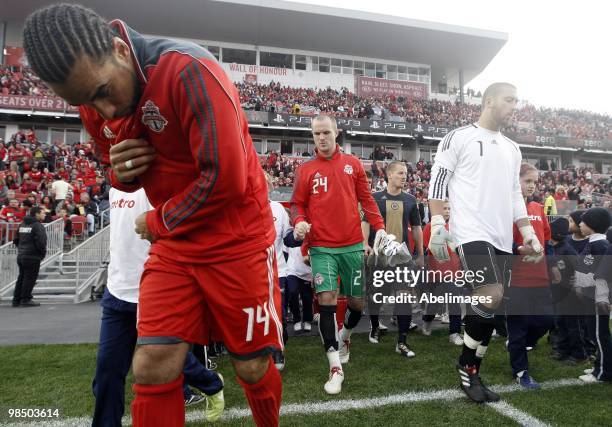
{"x":265,"y":397}
{"x":159,"y":404}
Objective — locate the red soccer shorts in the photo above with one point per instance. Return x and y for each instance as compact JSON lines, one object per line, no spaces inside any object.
{"x":236,"y":301}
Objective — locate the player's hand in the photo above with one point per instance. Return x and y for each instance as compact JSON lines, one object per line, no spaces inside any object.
{"x":367,"y":249}
{"x":556,"y":276}
{"x":440,"y":239}
{"x":131,"y":158}
{"x":142,"y":229}
{"x":307,"y":260}
{"x":300,"y":230}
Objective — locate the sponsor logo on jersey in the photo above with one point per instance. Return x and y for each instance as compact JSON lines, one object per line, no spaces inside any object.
{"x":25,"y":230}
{"x":152,"y":117}
{"x":318,"y":279}
{"x":589,"y":259}
{"x":348,"y":169}
{"x":535,"y":218}
{"x":108,"y":133}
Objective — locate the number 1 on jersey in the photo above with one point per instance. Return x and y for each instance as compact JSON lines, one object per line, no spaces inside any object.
{"x":480,"y":142}
{"x":319,"y":182}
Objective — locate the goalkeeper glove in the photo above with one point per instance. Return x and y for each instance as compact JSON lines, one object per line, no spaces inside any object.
{"x":440,"y":240}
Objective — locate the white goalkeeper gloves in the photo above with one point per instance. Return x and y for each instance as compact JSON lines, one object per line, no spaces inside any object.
{"x":383,"y":243}
{"x":530,"y":240}
{"x":440,"y":240}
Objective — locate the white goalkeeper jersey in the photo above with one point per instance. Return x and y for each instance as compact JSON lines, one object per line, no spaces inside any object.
{"x":478,"y":170}
{"x":128,"y":252}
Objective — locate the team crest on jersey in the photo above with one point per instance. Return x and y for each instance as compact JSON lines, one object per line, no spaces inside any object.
{"x":394,"y":206}
{"x":317,"y":175}
{"x":152,"y":117}
{"x":348,"y":169}
{"x":318,"y":279}
{"x":589,"y":260}
{"x":108,"y":133}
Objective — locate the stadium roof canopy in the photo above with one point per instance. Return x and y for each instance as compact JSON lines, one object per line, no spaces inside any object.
{"x":300,"y":26}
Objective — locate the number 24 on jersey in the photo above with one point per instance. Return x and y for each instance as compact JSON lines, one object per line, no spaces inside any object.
{"x":319,"y":184}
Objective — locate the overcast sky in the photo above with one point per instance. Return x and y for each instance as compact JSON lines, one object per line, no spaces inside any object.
{"x":559,"y":53}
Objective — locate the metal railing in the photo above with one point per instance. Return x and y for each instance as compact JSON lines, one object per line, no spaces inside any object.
{"x":87,"y":259}
{"x":8,"y":254}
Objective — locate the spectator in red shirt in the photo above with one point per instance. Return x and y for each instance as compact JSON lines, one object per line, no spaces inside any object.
{"x":560,"y":193}
{"x":28,"y":186}
{"x":12,"y":212}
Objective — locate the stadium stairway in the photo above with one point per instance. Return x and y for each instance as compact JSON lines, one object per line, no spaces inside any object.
{"x":70,"y":277}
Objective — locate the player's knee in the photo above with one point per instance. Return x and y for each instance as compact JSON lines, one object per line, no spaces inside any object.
{"x":159,"y":363}
{"x":327,"y":298}
{"x":493,"y":295}
{"x":355,"y":303}
{"x":252,"y":370}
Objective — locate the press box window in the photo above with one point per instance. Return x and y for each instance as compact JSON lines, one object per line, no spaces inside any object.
{"x":239,"y":56}
{"x":276,"y":60}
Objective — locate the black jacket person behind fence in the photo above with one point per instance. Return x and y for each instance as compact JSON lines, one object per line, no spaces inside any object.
{"x":31,"y":244}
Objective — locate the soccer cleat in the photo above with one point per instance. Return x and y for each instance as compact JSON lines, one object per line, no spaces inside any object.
{"x":404,"y":350}
{"x":345,"y":351}
{"x":215,"y":404}
{"x":297,"y":326}
{"x":382,"y":328}
{"x":426,"y":328}
{"x":445,"y":319}
{"x":334,"y":383}
{"x":529,"y":348}
{"x":527,"y":382}
{"x":194,"y":399}
{"x":307,"y":326}
{"x":471,"y":383}
{"x":589,"y":370}
{"x":373,"y":336}
{"x":589,"y":379}
{"x":279,"y":359}
{"x":455,"y":339}
{"x":315,"y":318}
{"x":413,"y":326}
{"x":30,"y":303}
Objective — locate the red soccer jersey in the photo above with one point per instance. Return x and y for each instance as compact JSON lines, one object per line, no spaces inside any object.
{"x":452,"y":265}
{"x":526,"y":275}
{"x":206,"y":184}
{"x":325,"y":194}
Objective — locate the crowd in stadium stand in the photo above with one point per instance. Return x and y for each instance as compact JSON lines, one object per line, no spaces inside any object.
{"x":344,"y":103}
{"x":21,"y":81}
{"x":65,"y":180}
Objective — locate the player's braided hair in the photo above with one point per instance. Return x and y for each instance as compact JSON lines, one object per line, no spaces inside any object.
{"x":56,"y":36}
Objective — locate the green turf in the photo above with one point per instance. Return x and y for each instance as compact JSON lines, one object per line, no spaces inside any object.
{"x":60,"y":376}
{"x":588,"y":405}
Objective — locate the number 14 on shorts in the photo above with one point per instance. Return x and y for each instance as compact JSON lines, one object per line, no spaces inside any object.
{"x":259,"y":314}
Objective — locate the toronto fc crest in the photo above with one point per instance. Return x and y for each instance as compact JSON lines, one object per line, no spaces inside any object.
{"x":152,"y":117}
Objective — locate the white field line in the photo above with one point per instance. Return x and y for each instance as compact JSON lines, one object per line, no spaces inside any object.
{"x":321,"y":407}
{"x":523,"y":418}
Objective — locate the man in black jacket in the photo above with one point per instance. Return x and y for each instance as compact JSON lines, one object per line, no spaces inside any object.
{"x":31,"y":241}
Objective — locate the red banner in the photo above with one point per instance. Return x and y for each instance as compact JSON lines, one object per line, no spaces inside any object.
{"x":370,"y":86}
{"x":36,"y":103}
{"x":15,"y":57}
